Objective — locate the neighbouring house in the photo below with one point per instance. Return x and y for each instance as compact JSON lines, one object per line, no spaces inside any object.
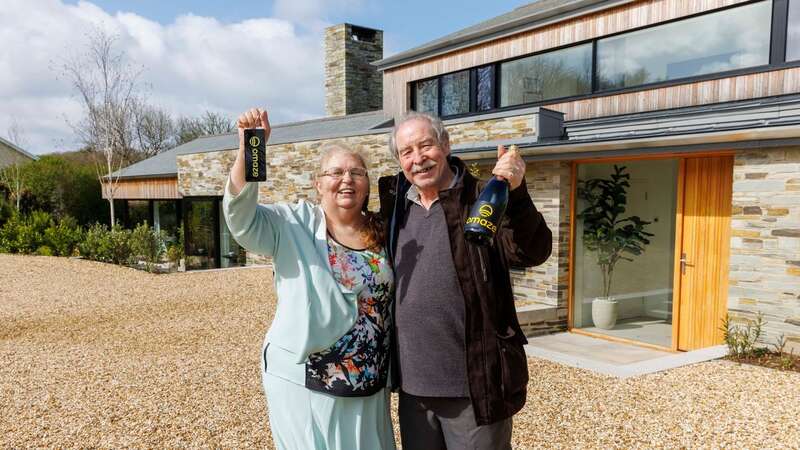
{"x":11,"y":154}
{"x":698,"y":101}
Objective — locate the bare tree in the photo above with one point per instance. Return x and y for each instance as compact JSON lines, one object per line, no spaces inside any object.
{"x":16,"y":134}
{"x":11,"y":176}
{"x":210,"y":123}
{"x":155,"y":130}
{"x":107,"y":87}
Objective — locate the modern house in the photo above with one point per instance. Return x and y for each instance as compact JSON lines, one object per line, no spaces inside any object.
{"x":11,"y":154}
{"x":696,"y":103}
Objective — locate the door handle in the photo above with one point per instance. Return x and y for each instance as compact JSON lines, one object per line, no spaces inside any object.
{"x":684,"y":263}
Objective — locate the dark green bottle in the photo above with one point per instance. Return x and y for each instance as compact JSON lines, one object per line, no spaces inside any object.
{"x":487,"y":212}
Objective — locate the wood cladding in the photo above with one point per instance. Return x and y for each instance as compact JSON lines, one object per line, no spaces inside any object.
{"x":743,"y":87}
{"x":146,"y":188}
{"x":614,"y":20}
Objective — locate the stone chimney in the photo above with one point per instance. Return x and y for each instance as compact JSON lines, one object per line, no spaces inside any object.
{"x":352,"y":85}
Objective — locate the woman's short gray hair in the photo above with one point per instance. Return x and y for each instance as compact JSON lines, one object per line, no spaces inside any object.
{"x":442,"y":137}
{"x":329,"y":149}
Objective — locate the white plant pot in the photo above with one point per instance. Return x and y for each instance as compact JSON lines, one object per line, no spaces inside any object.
{"x":604,"y":312}
{"x":182,"y":265}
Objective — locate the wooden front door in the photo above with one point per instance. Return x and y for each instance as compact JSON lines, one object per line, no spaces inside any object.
{"x":702,"y":257}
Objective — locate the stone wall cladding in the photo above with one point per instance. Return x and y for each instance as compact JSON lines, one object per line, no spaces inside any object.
{"x":541,"y":292}
{"x":765,"y":242}
{"x":352,"y":84}
{"x":493,"y":129}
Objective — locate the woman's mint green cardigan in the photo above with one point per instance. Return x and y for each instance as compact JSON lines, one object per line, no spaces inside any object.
{"x":314,"y":311}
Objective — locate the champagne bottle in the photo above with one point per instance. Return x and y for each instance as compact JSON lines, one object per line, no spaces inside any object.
{"x":488,"y":211}
{"x":255,"y":155}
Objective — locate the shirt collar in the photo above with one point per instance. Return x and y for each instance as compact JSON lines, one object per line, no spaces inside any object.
{"x":413,"y":193}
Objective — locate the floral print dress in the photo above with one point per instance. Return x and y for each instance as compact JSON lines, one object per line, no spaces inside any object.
{"x":358,"y":363}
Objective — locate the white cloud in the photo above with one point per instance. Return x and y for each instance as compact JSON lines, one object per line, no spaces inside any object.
{"x":193,"y":64}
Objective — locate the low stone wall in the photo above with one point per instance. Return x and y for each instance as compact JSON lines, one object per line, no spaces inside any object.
{"x":765,"y":242}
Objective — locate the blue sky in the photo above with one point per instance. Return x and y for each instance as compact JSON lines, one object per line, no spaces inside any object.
{"x":405,"y":23}
{"x":192,"y":53}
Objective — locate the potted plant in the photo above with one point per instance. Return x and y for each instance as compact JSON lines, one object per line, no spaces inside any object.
{"x":610,"y":236}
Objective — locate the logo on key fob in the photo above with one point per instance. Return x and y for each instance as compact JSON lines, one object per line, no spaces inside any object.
{"x":255,"y":154}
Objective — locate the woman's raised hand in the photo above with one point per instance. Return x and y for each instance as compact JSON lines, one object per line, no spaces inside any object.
{"x":253,"y":118}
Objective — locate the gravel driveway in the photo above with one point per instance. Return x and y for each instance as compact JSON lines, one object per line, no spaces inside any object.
{"x":94,"y":355}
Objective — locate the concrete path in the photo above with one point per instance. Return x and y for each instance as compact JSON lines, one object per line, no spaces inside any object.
{"x":613,"y":358}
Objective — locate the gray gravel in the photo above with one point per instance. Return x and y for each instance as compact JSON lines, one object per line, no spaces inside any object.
{"x":94,"y":355}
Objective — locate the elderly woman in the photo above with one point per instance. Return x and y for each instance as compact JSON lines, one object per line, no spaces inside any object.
{"x":326,"y":355}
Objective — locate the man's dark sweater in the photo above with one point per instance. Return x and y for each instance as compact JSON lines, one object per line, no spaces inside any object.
{"x":430,"y":312}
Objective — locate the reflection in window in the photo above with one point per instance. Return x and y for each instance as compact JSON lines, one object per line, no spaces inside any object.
{"x":428,"y":96}
{"x":485,"y":100}
{"x":793,"y":32}
{"x":201,"y":248}
{"x":455,"y":93}
{"x":138,"y":212}
{"x":561,"y":73}
{"x":165,"y":218}
{"x":717,"y":42}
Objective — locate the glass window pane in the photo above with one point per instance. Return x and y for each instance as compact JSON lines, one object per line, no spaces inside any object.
{"x":138,"y":212}
{"x":428,"y":96}
{"x":165,"y":218}
{"x":201,"y":248}
{"x":485,"y":88}
{"x":561,"y":73}
{"x":620,"y":290}
{"x":793,"y":35}
{"x":726,"y":40}
{"x":231,"y":253}
{"x":455,"y":93}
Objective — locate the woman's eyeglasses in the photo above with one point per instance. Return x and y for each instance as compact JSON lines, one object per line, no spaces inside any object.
{"x":337,"y":172}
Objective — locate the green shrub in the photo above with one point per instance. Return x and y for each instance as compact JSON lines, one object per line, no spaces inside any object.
{"x":64,"y":237}
{"x":25,"y":234}
{"x":8,"y":234}
{"x":101,"y":244}
{"x":742,"y":339}
{"x":147,"y":245}
{"x":96,"y":243}
{"x":120,"y":241}
{"x":44,"y":251}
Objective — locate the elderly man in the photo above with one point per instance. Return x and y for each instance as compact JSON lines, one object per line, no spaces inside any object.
{"x":459,"y":358}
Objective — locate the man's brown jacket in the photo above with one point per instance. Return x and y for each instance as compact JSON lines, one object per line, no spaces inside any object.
{"x":497,"y":369}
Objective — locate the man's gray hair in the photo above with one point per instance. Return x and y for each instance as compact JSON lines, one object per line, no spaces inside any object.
{"x":442,"y":137}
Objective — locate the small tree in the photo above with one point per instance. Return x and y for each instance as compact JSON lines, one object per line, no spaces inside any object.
{"x":13,"y":179}
{"x":107,"y":87}
{"x":604,"y":231}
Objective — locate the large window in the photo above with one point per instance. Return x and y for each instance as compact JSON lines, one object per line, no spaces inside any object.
{"x":623,"y":278}
{"x":793,"y":32}
{"x":562,"y":73}
{"x":717,"y":42}
{"x":735,"y":38}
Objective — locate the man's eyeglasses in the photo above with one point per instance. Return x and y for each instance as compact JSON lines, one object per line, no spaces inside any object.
{"x":337,"y":172}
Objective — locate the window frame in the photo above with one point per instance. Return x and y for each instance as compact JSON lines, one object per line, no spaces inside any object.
{"x":778,"y":30}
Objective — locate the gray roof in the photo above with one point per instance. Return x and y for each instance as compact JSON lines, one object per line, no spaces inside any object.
{"x":524,"y":18}
{"x":165,"y":164}
{"x":14,"y":147}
